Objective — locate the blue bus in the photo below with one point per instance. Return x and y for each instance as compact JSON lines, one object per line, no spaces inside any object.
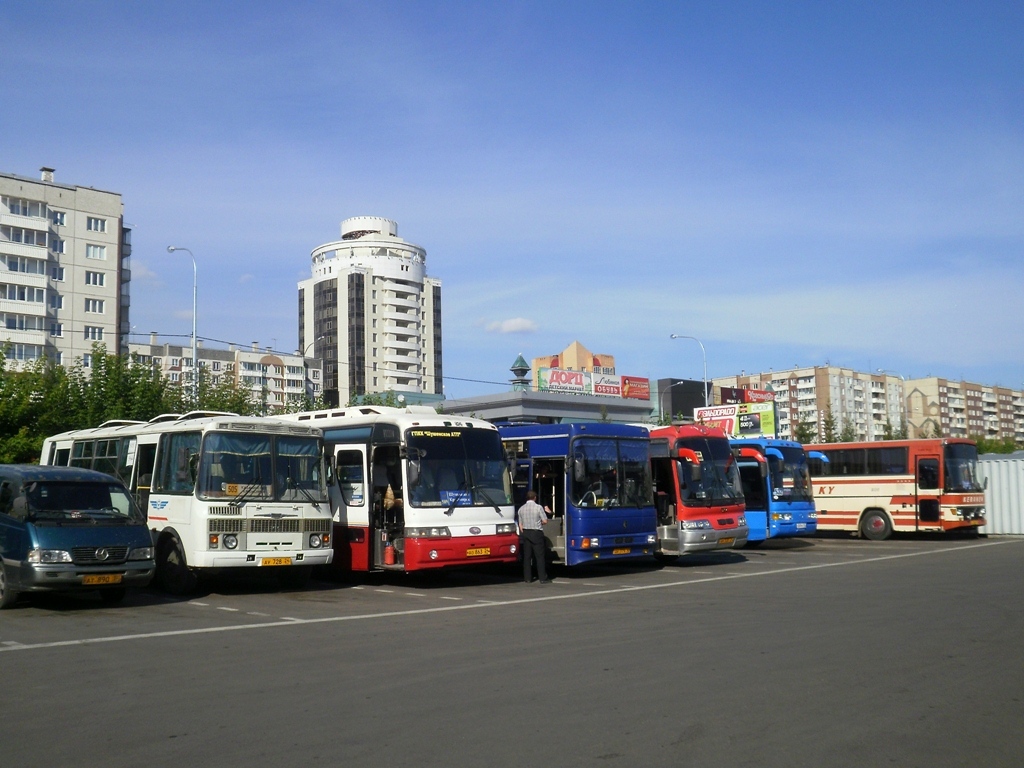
{"x":777,"y":488}
{"x":595,"y":478}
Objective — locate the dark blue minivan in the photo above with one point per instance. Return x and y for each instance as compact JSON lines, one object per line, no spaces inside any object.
{"x":64,"y":529}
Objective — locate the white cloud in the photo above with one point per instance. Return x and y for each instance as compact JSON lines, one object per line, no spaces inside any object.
{"x":512,"y":325}
{"x":246,"y":278}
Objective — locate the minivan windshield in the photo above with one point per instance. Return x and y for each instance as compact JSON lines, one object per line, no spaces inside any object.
{"x":80,"y":501}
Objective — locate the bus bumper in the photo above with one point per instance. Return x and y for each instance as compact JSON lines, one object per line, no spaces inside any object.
{"x":420,"y":553}
{"x":709,"y":539}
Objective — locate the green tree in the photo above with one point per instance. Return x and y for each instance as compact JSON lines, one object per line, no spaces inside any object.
{"x":806,"y":432}
{"x":994,"y":444}
{"x":848,"y":433}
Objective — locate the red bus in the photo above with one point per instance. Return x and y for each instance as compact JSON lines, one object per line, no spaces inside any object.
{"x":697,"y":490}
{"x":876,"y":488}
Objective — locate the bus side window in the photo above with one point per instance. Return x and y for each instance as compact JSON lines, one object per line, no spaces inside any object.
{"x":928,"y":474}
{"x":177,"y":467}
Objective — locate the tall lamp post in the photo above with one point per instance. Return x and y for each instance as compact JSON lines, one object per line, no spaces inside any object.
{"x":903,"y":396}
{"x":661,"y":399}
{"x":704,"y":355}
{"x":195,"y":285}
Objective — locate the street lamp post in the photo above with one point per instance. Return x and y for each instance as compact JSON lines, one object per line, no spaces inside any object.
{"x":704,"y":355}
{"x":195,"y":286}
{"x":903,"y":396}
{"x":661,"y":399}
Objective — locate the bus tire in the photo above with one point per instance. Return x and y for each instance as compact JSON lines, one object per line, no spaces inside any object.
{"x":8,"y":595}
{"x":875,"y":525}
{"x":295,"y":576}
{"x":172,"y":571}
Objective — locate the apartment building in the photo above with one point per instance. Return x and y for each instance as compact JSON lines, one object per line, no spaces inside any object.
{"x":276,"y":379}
{"x":871,"y":401}
{"x":866,"y":401}
{"x":64,"y":270}
{"x":962,"y":408}
{"x":372,"y":314}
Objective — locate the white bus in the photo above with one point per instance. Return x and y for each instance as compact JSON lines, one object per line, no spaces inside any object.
{"x":219,"y":490}
{"x":412,"y":489}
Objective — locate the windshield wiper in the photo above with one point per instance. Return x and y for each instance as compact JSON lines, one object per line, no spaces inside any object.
{"x":292,"y":485}
{"x":246,"y":493}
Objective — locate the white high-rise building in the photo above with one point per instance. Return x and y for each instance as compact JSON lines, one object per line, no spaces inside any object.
{"x":64,"y":270}
{"x":372,"y":314}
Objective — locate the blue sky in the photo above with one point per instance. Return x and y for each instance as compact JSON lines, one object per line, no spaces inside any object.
{"x":792,"y":183}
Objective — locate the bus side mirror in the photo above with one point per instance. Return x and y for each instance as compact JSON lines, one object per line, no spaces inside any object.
{"x":414,"y":471}
{"x":764,"y":470}
{"x":695,"y":473}
{"x":984,"y":484}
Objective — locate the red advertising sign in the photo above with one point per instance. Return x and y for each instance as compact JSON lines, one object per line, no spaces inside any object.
{"x":636,"y":388}
{"x":758,"y":396}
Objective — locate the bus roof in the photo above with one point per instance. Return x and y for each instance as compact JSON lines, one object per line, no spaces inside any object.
{"x":573,"y":429}
{"x":403,"y":418}
{"x":202,"y":420}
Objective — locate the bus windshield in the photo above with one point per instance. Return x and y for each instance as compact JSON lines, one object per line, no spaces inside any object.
{"x":449,"y":466}
{"x":790,"y":480}
{"x":255,"y":467}
{"x":608,"y":472}
{"x":962,"y":468}
{"x":719,"y":481}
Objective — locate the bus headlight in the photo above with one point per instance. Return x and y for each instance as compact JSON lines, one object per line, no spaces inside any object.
{"x":48,"y":556}
{"x":651,"y":538}
{"x":590,"y":543}
{"x":784,"y":516}
{"x":230,"y":541}
{"x":513,"y":549}
{"x":741,"y":521}
{"x":141,"y":553}
{"x":437,"y":532}
{"x":506,"y":528}
{"x":812,"y":515}
{"x":315,"y":542}
{"x":694,"y":525}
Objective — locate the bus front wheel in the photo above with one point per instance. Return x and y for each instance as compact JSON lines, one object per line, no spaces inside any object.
{"x":7,"y":595}
{"x":172,"y":571}
{"x":875,"y":526}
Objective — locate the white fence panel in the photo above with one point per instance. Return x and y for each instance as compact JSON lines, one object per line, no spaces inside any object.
{"x":1004,"y":499}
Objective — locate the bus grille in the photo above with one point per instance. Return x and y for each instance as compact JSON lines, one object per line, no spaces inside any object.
{"x":226,"y":526}
{"x":88,"y":556}
{"x":263,"y":525}
{"x":317,"y":525}
{"x":225,"y":509}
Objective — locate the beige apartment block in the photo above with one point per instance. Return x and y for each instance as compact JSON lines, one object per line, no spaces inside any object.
{"x":64,"y":270}
{"x":870,"y":401}
{"x":276,"y":379}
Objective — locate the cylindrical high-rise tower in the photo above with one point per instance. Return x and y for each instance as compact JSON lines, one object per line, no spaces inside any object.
{"x":371,"y":313}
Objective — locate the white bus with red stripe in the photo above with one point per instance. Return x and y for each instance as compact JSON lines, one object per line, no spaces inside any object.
{"x":876,"y":488}
{"x":412,"y":490}
{"x":219,"y":490}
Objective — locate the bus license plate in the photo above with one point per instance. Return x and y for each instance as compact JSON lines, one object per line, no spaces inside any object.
{"x":276,"y":561}
{"x":801,"y":526}
{"x":727,"y":540}
{"x":621,"y":551}
{"x":102,"y":578}
{"x":478,"y":552}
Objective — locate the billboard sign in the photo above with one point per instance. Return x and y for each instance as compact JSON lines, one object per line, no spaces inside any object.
{"x":636,"y":388}
{"x":559,"y":380}
{"x":604,"y":384}
{"x":740,"y":419}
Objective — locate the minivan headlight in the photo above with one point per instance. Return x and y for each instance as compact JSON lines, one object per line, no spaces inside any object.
{"x":141,"y":553}
{"x":48,"y":556}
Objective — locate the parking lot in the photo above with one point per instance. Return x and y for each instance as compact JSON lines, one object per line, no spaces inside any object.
{"x":800,"y":652}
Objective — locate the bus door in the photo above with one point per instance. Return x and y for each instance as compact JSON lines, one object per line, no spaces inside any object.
{"x":350,"y":505}
{"x":549,"y":483}
{"x":929,"y":484}
{"x":387,"y":508}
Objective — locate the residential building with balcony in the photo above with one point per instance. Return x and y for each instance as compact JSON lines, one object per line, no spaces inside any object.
{"x":64,"y":270}
{"x":276,"y":379}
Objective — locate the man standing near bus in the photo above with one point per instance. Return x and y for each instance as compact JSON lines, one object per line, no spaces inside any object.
{"x":532,"y":518}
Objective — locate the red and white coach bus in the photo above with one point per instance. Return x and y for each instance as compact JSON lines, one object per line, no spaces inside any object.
{"x":412,"y":489}
{"x":875,"y":488}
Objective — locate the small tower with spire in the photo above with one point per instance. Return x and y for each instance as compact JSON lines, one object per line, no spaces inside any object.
{"x":521,"y":370}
